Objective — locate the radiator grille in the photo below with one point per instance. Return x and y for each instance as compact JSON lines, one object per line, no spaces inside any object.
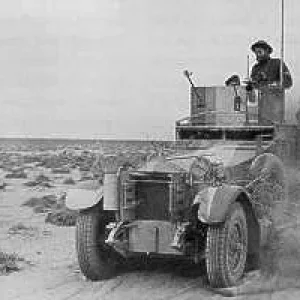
{"x":162,"y":197}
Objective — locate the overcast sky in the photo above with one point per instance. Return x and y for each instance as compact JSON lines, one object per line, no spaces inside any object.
{"x":113,"y":68}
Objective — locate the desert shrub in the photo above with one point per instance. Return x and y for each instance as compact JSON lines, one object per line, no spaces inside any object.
{"x":85,"y":168}
{"x":62,"y":217}
{"x":34,"y":183}
{"x":42,"y":204}
{"x":40,"y":180}
{"x":20,"y":228}
{"x":16,"y":175}
{"x":47,"y":203}
{"x":32,"y":202}
{"x":69,"y":180}
{"x":54,"y":205}
{"x":62,"y":170}
{"x":52,"y":161}
{"x":28,"y":159}
{"x":2,"y":185}
{"x":9,"y":262}
{"x":85,"y":177}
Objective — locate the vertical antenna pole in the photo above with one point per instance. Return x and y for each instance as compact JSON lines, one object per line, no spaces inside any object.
{"x":282,"y":59}
{"x":282,"y":43}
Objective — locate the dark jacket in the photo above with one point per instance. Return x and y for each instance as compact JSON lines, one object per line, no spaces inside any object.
{"x":268,"y":72}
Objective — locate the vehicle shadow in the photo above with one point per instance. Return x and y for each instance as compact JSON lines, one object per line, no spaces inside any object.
{"x":178,"y":267}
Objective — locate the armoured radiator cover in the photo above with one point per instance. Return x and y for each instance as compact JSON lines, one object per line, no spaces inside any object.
{"x":162,"y":197}
{"x":153,"y":199}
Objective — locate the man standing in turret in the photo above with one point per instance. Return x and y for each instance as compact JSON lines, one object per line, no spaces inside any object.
{"x":267,"y":70}
{"x":266,"y":77}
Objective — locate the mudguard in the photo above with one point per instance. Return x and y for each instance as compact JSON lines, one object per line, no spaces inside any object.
{"x":78,"y":199}
{"x":214,"y":202}
{"x":268,"y":163}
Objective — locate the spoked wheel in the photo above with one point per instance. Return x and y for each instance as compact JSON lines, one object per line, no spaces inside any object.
{"x":236,"y":247}
{"x":226,"y":248}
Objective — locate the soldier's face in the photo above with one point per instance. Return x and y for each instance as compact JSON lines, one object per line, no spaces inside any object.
{"x":261,"y":54}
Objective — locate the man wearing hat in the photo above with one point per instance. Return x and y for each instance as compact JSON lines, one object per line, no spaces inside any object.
{"x":267,"y":70}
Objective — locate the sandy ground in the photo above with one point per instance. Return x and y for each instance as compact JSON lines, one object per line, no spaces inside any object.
{"x":50,"y":270}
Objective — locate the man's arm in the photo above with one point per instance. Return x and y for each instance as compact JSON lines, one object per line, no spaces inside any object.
{"x":258,"y":77}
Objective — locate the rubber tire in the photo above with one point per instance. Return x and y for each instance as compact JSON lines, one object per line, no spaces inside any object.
{"x":219,"y":273}
{"x":96,"y":260}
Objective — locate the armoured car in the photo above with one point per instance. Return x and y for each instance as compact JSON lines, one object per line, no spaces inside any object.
{"x":214,"y":199}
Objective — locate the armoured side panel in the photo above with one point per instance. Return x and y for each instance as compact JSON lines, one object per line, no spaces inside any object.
{"x":271,"y":106}
{"x":218,"y":104}
{"x":198,"y":104}
{"x":225,"y":98}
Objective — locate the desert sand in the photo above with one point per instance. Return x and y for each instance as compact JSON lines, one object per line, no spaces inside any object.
{"x":43,"y":262}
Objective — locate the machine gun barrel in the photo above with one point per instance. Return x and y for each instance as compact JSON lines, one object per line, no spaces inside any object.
{"x":188,"y":74}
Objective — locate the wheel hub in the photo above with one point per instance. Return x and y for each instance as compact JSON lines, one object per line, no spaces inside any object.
{"x":236,"y":247}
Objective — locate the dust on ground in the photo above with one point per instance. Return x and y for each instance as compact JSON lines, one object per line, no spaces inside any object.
{"x":43,"y":263}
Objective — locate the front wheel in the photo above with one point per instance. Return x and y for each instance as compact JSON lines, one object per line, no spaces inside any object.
{"x":226,"y":248}
{"x":96,"y":260}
